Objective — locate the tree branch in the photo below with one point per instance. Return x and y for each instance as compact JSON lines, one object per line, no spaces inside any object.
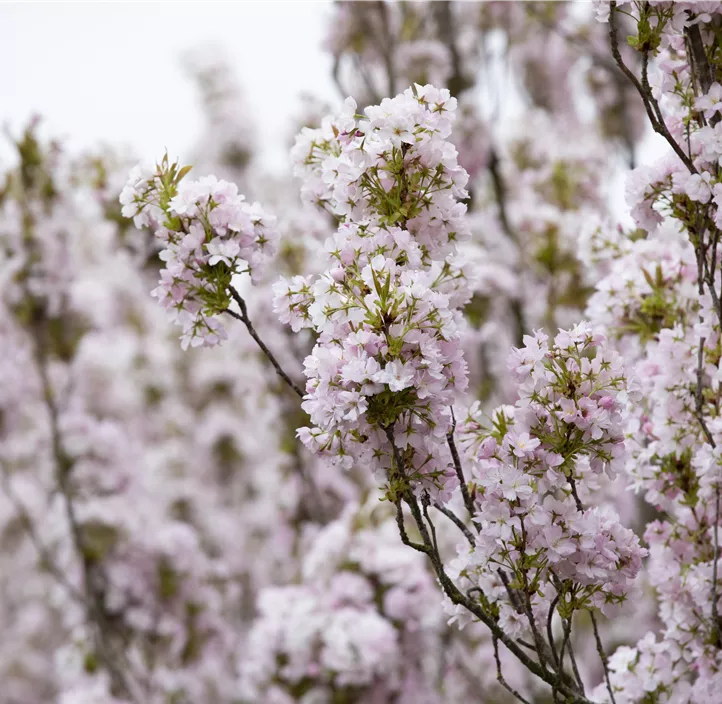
{"x":500,"y":677}
{"x":648,"y":100}
{"x":556,"y":680}
{"x":457,"y":522}
{"x":243,"y":317}
{"x":602,"y":657}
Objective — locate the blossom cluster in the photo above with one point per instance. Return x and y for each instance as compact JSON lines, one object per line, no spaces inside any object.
{"x":650,"y":284}
{"x":394,"y":166}
{"x":210,"y":234}
{"x":164,"y":533}
{"x":386,"y":310}
{"x":362,"y":622}
{"x":543,"y":541}
{"x":668,"y":326}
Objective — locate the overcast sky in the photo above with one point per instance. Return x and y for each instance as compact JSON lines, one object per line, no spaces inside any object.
{"x":112,"y":71}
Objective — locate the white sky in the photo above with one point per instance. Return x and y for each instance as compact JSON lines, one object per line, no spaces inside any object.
{"x":111,"y":72}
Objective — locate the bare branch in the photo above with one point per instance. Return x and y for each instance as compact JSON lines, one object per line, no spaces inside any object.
{"x":243,"y":317}
{"x":468,"y":501}
{"x":500,"y":677}
{"x":603,"y":658}
{"x":457,"y":522}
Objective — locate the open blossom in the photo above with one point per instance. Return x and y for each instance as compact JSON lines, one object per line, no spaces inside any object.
{"x":697,"y":186}
{"x":711,"y":102}
{"x":523,"y":444}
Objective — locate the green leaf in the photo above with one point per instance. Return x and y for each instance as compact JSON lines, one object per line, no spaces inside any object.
{"x":183,"y":172}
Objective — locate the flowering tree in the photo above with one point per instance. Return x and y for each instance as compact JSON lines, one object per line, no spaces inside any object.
{"x":375,"y":469}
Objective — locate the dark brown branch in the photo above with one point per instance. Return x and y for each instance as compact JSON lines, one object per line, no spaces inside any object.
{"x":513,"y":594}
{"x":468,"y":501}
{"x":550,"y":632}
{"x":457,"y":522}
{"x":603,"y":658}
{"x":543,"y":649}
{"x":402,"y":530}
{"x":567,"y":625}
{"x":425,"y":503}
{"x":243,"y":317}
{"x":700,"y":65}
{"x":575,"y":668}
{"x":500,"y":677}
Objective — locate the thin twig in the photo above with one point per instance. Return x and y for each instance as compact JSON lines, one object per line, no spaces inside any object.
{"x":513,"y":595}
{"x":457,"y":522}
{"x":543,"y":649}
{"x":243,"y":317}
{"x":550,"y":633}
{"x":468,"y":501}
{"x":402,"y":530}
{"x":602,"y":657}
{"x":500,"y":677}
{"x":573,"y":660}
{"x":566,"y":624}
{"x":425,"y":503}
